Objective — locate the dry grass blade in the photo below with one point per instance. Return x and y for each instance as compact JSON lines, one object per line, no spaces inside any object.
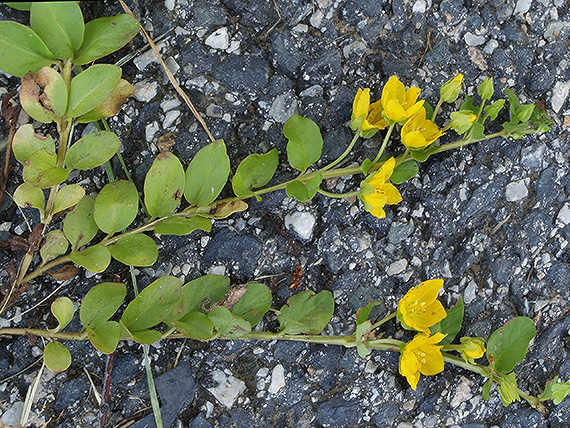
{"x":32,"y":390}
{"x":171,"y":76}
{"x":95,"y":393}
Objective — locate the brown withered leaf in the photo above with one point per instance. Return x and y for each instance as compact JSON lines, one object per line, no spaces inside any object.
{"x":226,"y":209}
{"x":166,"y":141}
{"x":64,"y":273}
{"x":43,"y":95}
{"x":15,"y":243}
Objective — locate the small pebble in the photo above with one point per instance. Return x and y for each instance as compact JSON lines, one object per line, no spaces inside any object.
{"x":473,"y":40}
{"x":397,"y":267}
{"x":302,"y":223}
{"x":219,"y":39}
{"x":228,"y":390}
{"x":516,"y":191}
{"x":559,"y":95}
{"x":563,"y":217}
{"x":145,"y":91}
{"x":277,"y":379}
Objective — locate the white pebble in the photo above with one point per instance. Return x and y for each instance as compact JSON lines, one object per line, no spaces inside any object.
{"x":470,"y":292}
{"x":563,"y":217}
{"x":516,"y":191}
{"x":11,"y":417}
{"x":228,"y":390}
{"x":219,"y":39}
{"x":522,"y":6}
{"x":277,"y":379}
{"x":473,"y":40}
{"x":302,"y":223}
{"x":397,"y":267}
{"x":145,"y":91}
{"x":150,"y":130}
{"x":170,"y":117}
{"x":559,"y":95}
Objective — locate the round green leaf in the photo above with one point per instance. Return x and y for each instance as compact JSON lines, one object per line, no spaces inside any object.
{"x":146,"y":337}
{"x":94,"y":259}
{"x":164,"y":185}
{"x":101,"y":302}
{"x":507,"y":345}
{"x":205,"y":290}
{"x":57,"y":357}
{"x":182,"y":226}
{"x":25,"y":5}
{"x":26,"y":142}
{"x":228,"y":324}
{"x":22,"y":50}
{"x":92,"y":150}
{"x":29,"y":196}
{"x":91,"y":88}
{"x":44,"y":95}
{"x":62,"y":308}
{"x":67,"y":197}
{"x":55,"y":244}
{"x":60,"y":25}
{"x":106,"y":35}
{"x":135,"y":250}
{"x":253,"y":172}
{"x":207,"y":174}
{"x":451,"y":324}
{"x":116,"y":206}
{"x":404,"y":172}
{"x":306,"y":312}
{"x":305,"y":142}
{"x":304,"y":192}
{"x":254,"y":303}
{"x":105,"y":337}
{"x":197,"y":326}
{"x":79,"y":225}
{"x":154,"y":304}
{"x":40,"y":170}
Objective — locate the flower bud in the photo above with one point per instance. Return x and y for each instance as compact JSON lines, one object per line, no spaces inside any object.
{"x":451,"y":89}
{"x":472,"y":348}
{"x":485,"y":89}
{"x":461,"y":121}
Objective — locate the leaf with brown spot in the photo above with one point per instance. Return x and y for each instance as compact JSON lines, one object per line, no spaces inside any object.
{"x":44,"y":95}
{"x":111,"y":105}
{"x":64,"y":273}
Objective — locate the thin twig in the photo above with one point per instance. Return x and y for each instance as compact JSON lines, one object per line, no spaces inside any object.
{"x":171,"y":76}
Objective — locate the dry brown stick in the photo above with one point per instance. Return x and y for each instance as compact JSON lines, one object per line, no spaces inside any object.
{"x":171,"y":76}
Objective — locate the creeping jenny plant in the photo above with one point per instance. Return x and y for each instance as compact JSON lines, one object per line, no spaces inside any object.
{"x":59,"y":87}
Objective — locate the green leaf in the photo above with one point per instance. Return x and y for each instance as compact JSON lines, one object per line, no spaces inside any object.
{"x":200,"y":292}
{"x":24,"y":5}
{"x":92,"y":150}
{"x":22,"y":50}
{"x":404,"y":172}
{"x":44,"y":95}
{"x":40,"y":170}
{"x":304,"y":192}
{"x":197,"y":326}
{"x":116,"y":206}
{"x":207,"y":174}
{"x":67,"y":197}
{"x":508,"y":389}
{"x":366,"y":165}
{"x":94,"y":259}
{"x":227,"y":324}
{"x":62,"y":309}
{"x":253,"y":172}
{"x":493,"y":110}
{"x":154,"y":304}
{"x":514,"y":103}
{"x":55,"y":244}
{"x":305,"y":142}
{"x":105,"y":337}
{"x":146,"y":337}
{"x":57,"y":357}
{"x":525,"y":112}
{"x":306,"y":312}
{"x":477,"y":131}
{"x":507,"y":345}
{"x":135,"y":250}
{"x":111,"y":105}
{"x":469,"y":105}
{"x":101,"y":302}
{"x":29,"y":196}
{"x":363,"y":314}
{"x":362,"y":329}
{"x":254,"y":303}
{"x":91,"y":88}
{"x":182,"y":226}
{"x":26,"y":142}
{"x":485,"y":89}
{"x":555,"y":391}
{"x":60,"y":25}
{"x":164,"y":185}
{"x":106,"y":35}
{"x":450,"y":325}
{"x":79,"y":225}
{"x":486,"y":390}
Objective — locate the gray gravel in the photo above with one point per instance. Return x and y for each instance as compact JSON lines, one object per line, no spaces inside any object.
{"x":492,"y":219}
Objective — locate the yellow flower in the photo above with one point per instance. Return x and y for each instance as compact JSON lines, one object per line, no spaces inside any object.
{"x":451,"y":89}
{"x":421,"y":355}
{"x":419,"y":309}
{"x":419,"y":132}
{"x":377,"y":192}
{"x":397,"y":103}
{"x":365,"y":116}
{"x":472,"y":348}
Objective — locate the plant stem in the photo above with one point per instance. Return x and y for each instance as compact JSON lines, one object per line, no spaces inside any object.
{"x":384,"y":143}
{"x":383,"y":320}
{"x":436,"y":109}
{"x":338,"y":195}
{"x":345,"y":153}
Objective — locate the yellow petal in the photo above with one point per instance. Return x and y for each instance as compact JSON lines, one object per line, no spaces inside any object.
{"x":393,"y":90}
{"x":414,"y":140}
{"x":412,"y":95}
{"x":361,"y":103}
{"x":416,"y":108}
{"x":393,"y":196}
{"x":394,"y":111}
{"x":432,"y":362}
{"x":378,"y":212}
{"x":426,"y":316}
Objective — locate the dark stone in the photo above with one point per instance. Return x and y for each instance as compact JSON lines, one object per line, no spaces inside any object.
{"x":200,"y":422}
{"x":399,"y":231}
{"x":325,"y":357}
{"x":285,"y":55}
{"x":364,"y":295}
{"x":539,"y":80}
{"x":340,"y":108}
{"x":338,"y":413}
{"x":454,"y":10}
{"x":325,"y":70}
{"x":175,"y":389}
{"x":462,"y":262}
{"x":194,"y":56}
{"x":400,"y":18}
{"x":125,"y":367}
{"x":288,"y":352}
{"x":244,"y":74}
{"x":558,"y":277}
{"x":482,"y":200}
{"x":241,"y":419}
{"x":257,"y":15}
{"x":147,"y":114}
{"x":525,"y":417}
{"x":71,"y":393}
{"x":226,"y":246}
{"x":514,"y":32}
{"x":206,"y":13}
{"x":386,"y":414}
